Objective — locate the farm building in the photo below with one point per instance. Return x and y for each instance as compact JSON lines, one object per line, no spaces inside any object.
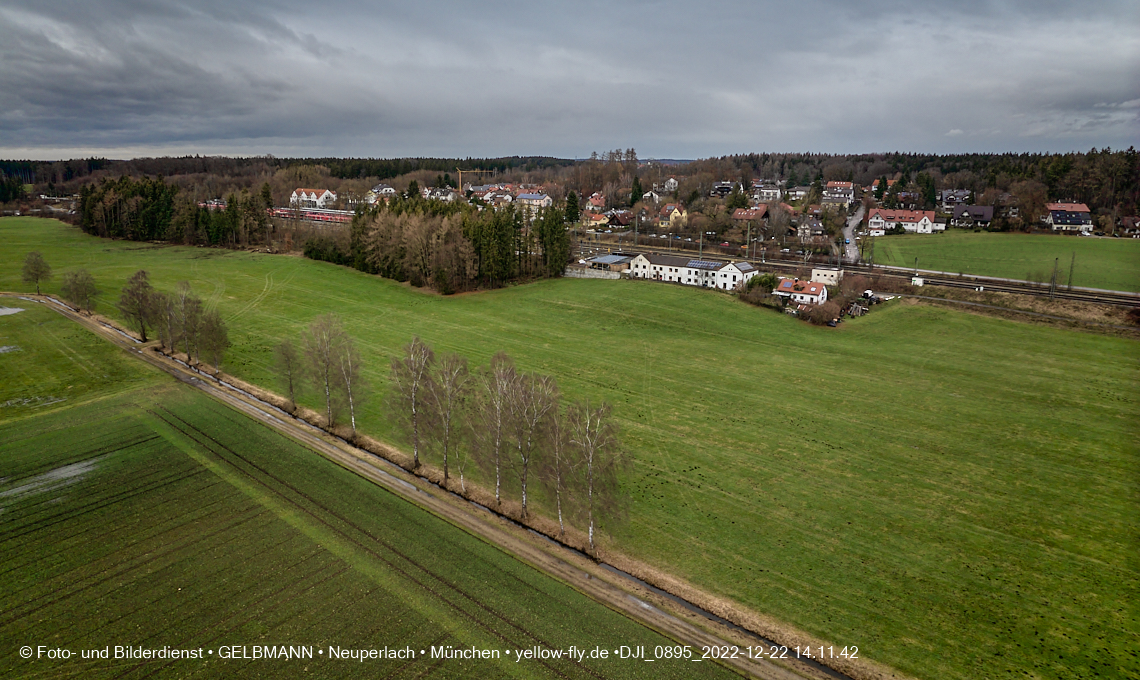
{"x":690,"y":272}
{"x":614,"y":263}
{"x":806,"y":292}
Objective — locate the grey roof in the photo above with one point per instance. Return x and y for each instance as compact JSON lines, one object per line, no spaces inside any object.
{"x":704,"y":264}
{"x":745,"y":266}
{"x":983,"y":213}
{"x":666,"y":260}
{"x":610,"y":259}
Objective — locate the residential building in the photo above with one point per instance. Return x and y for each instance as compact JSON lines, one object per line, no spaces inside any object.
{"x":797,"y":193}
{"x":690,"y":272}
{"x":596,"y":202}
{"x":1068,"y":217}
{"x":952,"y":198}
{"x":750,"y":214}
{"x":312,"y":198}
{"x":651,"y":196}
{"x":882,"y":220}
{"x":839,"y":192}
{"x":803,"y":292}
{"x":972,"y":215}
{"x":613,"y":263}
{"x":674,"y":214}
{"x":532,"y":203}
{"x":767,"y":193}
{"x":671,"y":185}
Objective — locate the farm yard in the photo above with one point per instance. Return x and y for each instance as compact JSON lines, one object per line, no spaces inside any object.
{"x":1106,"y":263}
{"x":156,"y":517}
{"x":949,"y":492}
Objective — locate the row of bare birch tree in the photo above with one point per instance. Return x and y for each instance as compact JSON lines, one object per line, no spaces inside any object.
{"x":514,"y":427}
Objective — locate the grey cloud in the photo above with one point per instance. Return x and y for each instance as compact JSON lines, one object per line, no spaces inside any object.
{"x":671,"y":79}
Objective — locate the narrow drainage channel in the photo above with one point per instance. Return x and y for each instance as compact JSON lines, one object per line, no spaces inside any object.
{"x":830,"y":672}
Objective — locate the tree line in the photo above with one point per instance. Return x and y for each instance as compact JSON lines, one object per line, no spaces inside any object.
{"x":451,"y":247}
{"x":151,"y":210}
{"x":512,"y":426}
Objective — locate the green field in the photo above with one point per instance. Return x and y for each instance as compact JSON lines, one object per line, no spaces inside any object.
{"x":158,"y":517}
{"x":954,"y":494}
{"x":1107,"y":263}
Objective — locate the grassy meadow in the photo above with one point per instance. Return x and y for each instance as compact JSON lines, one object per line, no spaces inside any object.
{"x":154,"y":516}
{"x":953,"y":494}
{"x":1107,"y":263}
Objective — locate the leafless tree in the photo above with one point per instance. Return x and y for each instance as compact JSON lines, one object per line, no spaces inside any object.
{"x":532,"y":399}
{"x":449,"y":390}
{"x":492,"y":415}
{"x":556,"y":468}
{"x":593,"y":437}
{"x":411,"y":385}
{"x":36,"y":270}
{"x":214,"y":339}
{"x":289,"y":369}
{"x":137,"y":302}
{"x":79,"y":289}
{"x":167,"y":320}
{"x":321,"y":341}
{"x":351,"y":380}
{"x":190,"y":319}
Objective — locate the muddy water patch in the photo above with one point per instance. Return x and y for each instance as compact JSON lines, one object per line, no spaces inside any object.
{"x":51,"y":481}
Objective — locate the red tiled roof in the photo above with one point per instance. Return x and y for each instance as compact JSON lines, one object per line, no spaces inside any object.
{"x":805,"y":287}
{"x":1067,"y":207}
{"x":902,"y":215}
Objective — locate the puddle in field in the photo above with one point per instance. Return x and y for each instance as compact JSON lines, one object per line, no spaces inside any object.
{"x":9,"y":348}
{"x":52,"y":480}
{"x":5,"y":311}
{"x":32,"y":402}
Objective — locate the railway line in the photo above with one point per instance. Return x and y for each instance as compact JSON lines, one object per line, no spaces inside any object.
{"x":1118,"y":298}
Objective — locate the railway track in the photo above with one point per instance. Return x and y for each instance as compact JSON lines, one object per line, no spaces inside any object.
{"x":1117,"y":298}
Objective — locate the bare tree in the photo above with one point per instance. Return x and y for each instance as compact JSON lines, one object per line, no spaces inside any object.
{"x":493,"y":415}
{"x":137,"y":302}
{"x":351,"y":380}
{"x":411,"y":384}
{"x":555,"y":471}
{"x":190,"y":319}
{"x":214,"y":338}
{"x":532,"y":399}
{"x":594,"y":440}
{"x":79,"y":289}
{"x":167,"y":320}
{"x":449,"y":390}
{"x":289,"y":369}
{"x":321,"y":341}
{"x":36,"y":269}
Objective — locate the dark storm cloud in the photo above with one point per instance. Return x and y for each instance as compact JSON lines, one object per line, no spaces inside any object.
{"x":671,"y":79}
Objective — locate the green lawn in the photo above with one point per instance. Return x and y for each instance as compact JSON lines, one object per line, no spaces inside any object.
{"x":1108,"y":263}
{"x":953,"y":494}
{"x":158,"y":517}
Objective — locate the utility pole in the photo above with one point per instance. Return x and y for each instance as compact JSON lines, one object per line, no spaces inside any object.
{"x":916,"y":266}
{"x":1053,"y":279}
{"x":701,"y":253}
{"x":1071,"y":265}
{"x":748,"y":240}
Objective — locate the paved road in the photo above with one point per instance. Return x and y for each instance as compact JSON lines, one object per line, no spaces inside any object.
{"x":851,"y":253}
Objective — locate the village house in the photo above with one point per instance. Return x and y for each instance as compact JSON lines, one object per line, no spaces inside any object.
{"x":670,"y":185}
{"x":312,"y":198}
{"x":651,"y":196}
{"x":882,"y":220}
{"x":756,"y":214}
{"x":533,"y":203}
{"x":596,"y":202}
{"x":952,"y":198}
{"x":972,"y":215}
{"x":827,"y":276}
{"x":839,"y":192}
{"x":691,"y":272}
{"x":803,"y":292}
{"x":811,"y":230}
{"x":1068,"y":217}
{"x":797,"y":193}
{"x":595,"y":220}
{"x":674,"y":215}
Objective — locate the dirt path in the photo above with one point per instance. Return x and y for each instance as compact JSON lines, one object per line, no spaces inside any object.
{"x":660,"y":613}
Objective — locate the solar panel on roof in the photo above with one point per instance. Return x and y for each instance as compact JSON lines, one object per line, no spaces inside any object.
{"x":704,"y":264}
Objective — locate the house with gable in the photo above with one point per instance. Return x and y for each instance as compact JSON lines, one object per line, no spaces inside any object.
{"x":967,"y":216}
{"x":802,"y":292}
{"x":882,"y":220}
{"x":595,"y":203}
{"x":312,"y":198}
{"x":691,"y":272}
{"x":1068,"y":217}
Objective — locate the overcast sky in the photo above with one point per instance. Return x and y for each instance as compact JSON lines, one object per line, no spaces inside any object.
{"x":127,"y":78}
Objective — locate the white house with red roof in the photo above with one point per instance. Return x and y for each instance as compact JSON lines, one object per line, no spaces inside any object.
{"x":312,"y":198}
{"x":882,"y":220}
{"x":596,"y":202}
{"x":803,"y":292}
{"x":839,"y":192}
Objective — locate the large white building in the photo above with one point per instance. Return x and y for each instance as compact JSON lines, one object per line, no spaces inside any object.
{"x":882,"y":220}
{"x":312,"y":198}
{"x":691,"y":272}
